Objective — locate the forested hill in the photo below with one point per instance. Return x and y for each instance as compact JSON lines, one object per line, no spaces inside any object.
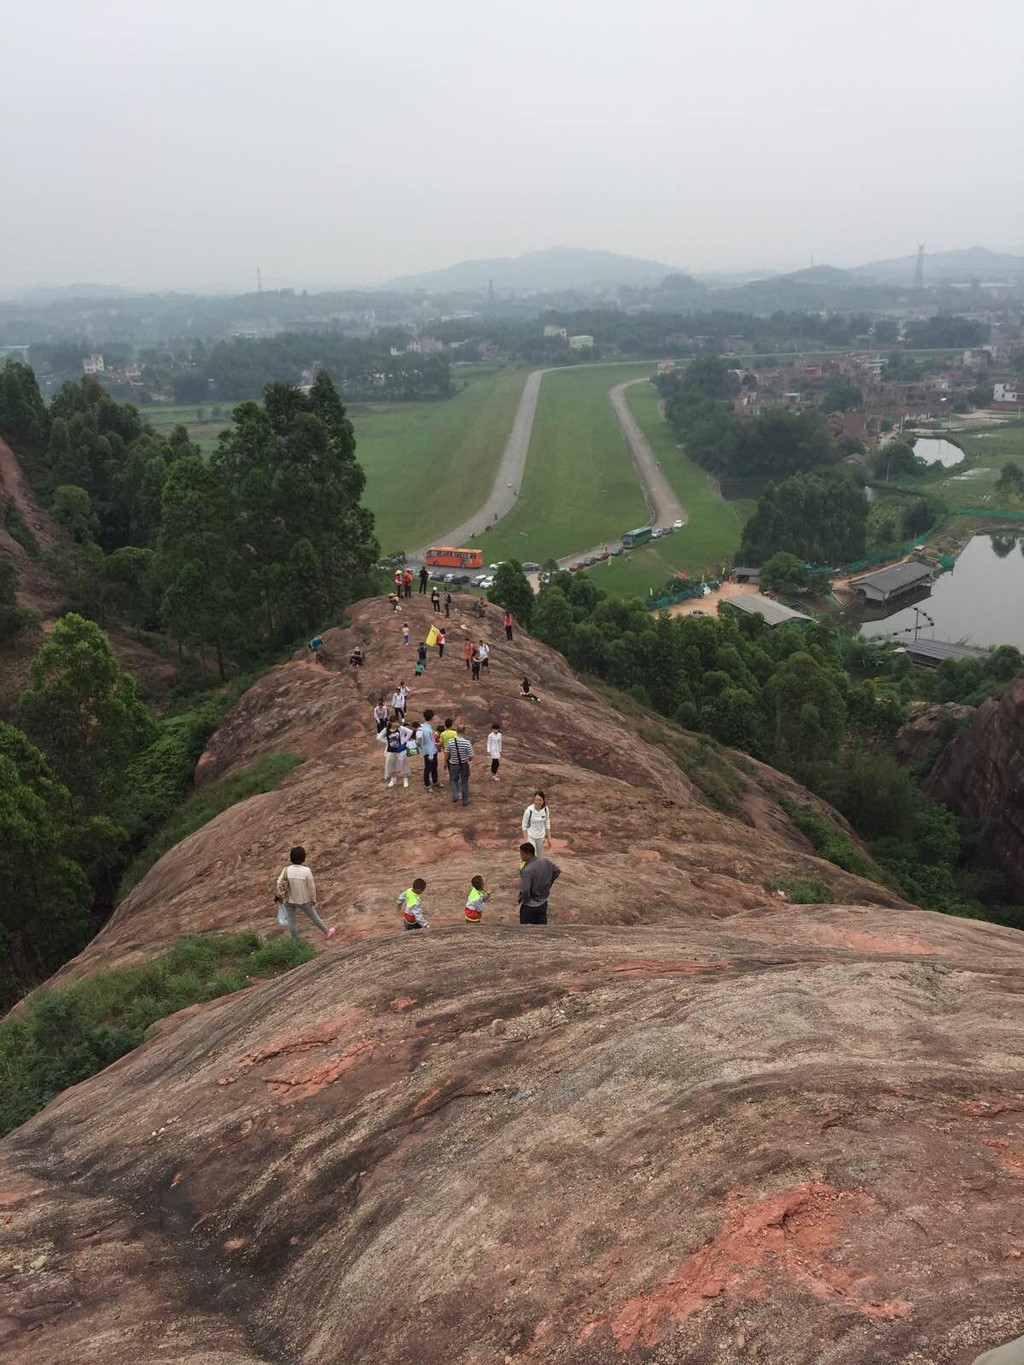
{"x":227,"y":560}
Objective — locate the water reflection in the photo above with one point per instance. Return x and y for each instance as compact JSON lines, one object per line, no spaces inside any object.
{"x":937,"y":450}
{"x":979,"y":602}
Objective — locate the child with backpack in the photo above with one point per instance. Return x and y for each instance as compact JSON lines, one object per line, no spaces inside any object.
{"x":409,"y":902}
{"x":475,"y":900}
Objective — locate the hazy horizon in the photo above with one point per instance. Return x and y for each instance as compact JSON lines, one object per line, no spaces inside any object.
{"x":180,"y":147}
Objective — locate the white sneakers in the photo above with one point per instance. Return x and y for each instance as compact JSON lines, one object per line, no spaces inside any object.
{"x":405,"y":781}
{"x":393,"y":782}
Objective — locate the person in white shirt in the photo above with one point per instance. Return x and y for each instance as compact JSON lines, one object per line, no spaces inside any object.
{"x":484,"y":650}
{"x":398,"y":700}
{"x":395,"y":737}
{"x":537,"y":823}
{"x":494,"y":748}
{"x":380,"y":714}
{"x":297,"y":891}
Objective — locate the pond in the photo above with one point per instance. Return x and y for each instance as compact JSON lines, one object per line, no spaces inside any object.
{"x":978,"y":602}
{"x":937,"y":450}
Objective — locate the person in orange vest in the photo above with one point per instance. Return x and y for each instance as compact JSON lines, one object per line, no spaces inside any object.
{"x":468,"y":650}
{"x":407,"y":582}
{"x":475,"y":900}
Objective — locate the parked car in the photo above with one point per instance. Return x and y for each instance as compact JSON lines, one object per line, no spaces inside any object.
{"x":486,"y":582}
{"x":495,"y":567}
{"x":657,"y":533}
{"x":618,"y":550}
{"x":478,"y":581}
{"x":590,"y":559}
{"x":698,"y":613}
{"x":529,"y":566}
{"x":545,"y":578}
{"x":605,"y":554}
{"x":459,"y":579}
{"x":677,"y":525}
{"x":574,"y":567}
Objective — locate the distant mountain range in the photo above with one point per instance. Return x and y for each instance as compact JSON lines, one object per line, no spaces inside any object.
{"x":946,"y":267}
{"x":556,"y":267}
{"x":54,"y":293}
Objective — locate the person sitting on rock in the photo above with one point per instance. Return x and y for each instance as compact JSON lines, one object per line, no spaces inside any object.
{"x":358,"y":657}
{"x":525,"y":693}
{"x":410,"y":904}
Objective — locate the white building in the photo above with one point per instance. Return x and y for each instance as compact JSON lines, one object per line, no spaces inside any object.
{"x":1012,"y":392}
{"x":580,"y":343}
{"x":552,"y":331}
{"x":93,"y":364}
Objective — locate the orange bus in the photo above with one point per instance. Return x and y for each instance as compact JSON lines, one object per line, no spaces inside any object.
{"x":445,"y":556}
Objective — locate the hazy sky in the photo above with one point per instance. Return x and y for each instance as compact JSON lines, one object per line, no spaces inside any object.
{"x":182,"y":144}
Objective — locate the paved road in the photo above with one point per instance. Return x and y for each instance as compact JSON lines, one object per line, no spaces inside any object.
{"x":509,"y":477}
{"x":662,"y":503}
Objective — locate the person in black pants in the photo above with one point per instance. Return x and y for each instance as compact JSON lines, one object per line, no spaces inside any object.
{"x":447,"y":604}
{"x":536,"y":878}
{"x":428,"y":748}
{"x":508,"y":625}
{"x":424,"y":575}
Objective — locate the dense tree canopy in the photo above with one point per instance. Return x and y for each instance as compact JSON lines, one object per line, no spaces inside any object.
{"x":820,"y":520}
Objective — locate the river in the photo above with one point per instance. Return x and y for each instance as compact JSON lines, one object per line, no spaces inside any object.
{"x":978,"y":602}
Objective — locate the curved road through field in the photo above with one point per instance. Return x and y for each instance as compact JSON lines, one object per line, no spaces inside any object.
{"x":662,"y":503}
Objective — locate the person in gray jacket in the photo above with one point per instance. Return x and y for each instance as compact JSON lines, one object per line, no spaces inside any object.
{"x":536,"y":878}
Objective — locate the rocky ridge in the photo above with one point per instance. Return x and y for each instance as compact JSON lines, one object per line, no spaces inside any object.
{"x":686,"y":1124}
{"x":980,"y":774}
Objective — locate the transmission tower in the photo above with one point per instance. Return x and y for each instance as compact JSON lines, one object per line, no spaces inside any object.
{"x":919,"y":270}
{"x":259,"y":279}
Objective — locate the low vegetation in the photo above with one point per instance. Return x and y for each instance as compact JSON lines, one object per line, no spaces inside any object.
{"x":262,"y":775}
{"x":802,"y":891}
{"x":65,"y":1035}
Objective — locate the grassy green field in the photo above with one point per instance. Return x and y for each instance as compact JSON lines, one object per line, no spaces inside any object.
{"x":431,"y":465}
{"x":972,"y":483}
{"x":579,"y":487}
{"x":712,"y":533}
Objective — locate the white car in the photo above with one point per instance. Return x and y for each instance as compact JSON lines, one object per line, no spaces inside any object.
{"x":486,"y":582}
{"x":677,"y":525}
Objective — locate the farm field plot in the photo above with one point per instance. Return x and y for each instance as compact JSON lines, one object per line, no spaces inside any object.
{"x":430,"y":465}
{"x":972,"y":483}
{"x":712,"y":533}
{"x":580,"y":486}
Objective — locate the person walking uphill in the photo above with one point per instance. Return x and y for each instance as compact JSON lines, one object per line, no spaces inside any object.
{"x":468,"y":649}
{"x":424,"y":575}
{"x":459,"y":752}
{"x":297,"y":891}
{"x":435,"y":598}
{"x":535,"y":883}
{"x":508,"y":625}
{"x":428,"y":748}
{"x":407,"y":582}
{"x":494,"y":748}
{"x":537,"y":823}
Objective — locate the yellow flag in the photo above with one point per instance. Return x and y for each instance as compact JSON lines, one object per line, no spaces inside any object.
{"x":432,"y":635}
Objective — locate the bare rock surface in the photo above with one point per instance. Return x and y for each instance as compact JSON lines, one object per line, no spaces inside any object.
{"x":637,"y":841}
{"x":980,"y":774}
{"x":925,"y":729}
{"x":795,"y":1136}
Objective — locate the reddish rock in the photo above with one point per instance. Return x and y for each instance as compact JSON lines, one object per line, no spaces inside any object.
{"x":980,"y":774}
{"x":682,"y":1138}
{"x":926,"y":730}
{"x":637,"y":841}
